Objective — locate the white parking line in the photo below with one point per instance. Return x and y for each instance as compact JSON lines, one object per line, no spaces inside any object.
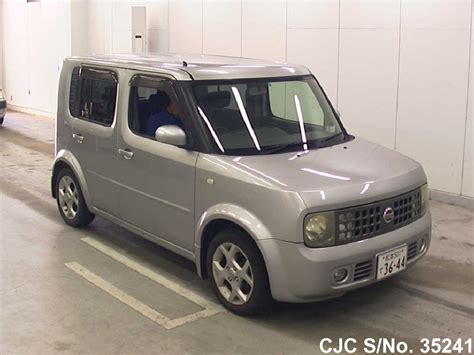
{"x":180,"y":290}
{"x":135,"y":304}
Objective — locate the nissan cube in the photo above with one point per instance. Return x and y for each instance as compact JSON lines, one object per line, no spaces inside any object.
{"x":241,"y":166}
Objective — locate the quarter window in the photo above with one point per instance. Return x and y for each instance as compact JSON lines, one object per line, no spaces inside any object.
{"x":93,"y":95}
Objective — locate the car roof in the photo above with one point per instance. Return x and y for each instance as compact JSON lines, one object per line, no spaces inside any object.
{"x":197,"y":67}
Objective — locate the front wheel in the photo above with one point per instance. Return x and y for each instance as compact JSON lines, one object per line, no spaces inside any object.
{"x":71,"y":203}
{"x":237,"y":273}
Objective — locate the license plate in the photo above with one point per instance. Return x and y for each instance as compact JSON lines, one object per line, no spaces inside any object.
{"x":391,"y":262}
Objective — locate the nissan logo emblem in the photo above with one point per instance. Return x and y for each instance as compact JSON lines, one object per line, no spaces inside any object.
{"x":388,"y":214}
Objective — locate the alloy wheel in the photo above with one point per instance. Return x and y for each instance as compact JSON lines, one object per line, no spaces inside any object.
{"x":68,"y":197}
{"x":232,"y":273}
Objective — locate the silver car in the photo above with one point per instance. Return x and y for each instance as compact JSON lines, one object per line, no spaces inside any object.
{"x":242,"y":166}
{"x":3,"y":106}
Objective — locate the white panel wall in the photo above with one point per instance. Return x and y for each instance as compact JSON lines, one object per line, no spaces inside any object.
{"x":434,"y":62}
{"x":79,"y":31}
{"x":318,"y":50}
{"x":436,"y":14}
{"x":432,"y":103}
{"x":468,"y":172}
{"x":100,"y":27}
{"x":16,"y":76}
{"x":222,"y":27}
{"x":157,"y":23}
{"x":375,"y":14}
{"x":185,"y":26}
{"x":1,"y":47}
{"x":397,"y":69}
{"x":368,"y":79}
{"x":121,"y":19}
{"x":313,"y":40}
{"x":264,"y":29}
{"x":313,"y":14}
{"x":37,"y":38}
{"x":368,"y":68}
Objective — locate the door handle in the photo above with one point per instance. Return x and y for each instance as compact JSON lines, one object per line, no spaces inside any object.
{"x":78,"y":137}
{"x":126,"y":153}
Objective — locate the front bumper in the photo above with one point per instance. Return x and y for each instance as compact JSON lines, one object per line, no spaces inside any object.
{"x":301,"y":274}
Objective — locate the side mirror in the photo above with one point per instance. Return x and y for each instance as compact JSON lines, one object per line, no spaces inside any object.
{"x":171,"y":134}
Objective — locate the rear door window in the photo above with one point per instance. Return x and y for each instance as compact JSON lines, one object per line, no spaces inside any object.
{"x":93,"y":95}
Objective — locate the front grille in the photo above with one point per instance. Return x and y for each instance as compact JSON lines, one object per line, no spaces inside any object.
{"x":363,"y":270}
{"x":406,"y":208}
{"x":367,"y":221}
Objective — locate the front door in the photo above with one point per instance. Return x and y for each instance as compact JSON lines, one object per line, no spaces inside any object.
{"x":94,"y":133}
{"x":156,"y":179}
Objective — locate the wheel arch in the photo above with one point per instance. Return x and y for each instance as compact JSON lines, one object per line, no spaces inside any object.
{"x":58,"y":166}
{"x":65,"y":159}
{"x":225,"y":217}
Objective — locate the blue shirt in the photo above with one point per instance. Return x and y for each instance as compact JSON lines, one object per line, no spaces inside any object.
{"x":162,"y":118}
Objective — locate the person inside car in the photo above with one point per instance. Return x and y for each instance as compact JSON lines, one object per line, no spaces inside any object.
{"x":164,"y":111}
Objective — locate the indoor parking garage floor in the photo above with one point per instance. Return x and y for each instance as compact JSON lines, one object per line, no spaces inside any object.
{"x":105,"y":290}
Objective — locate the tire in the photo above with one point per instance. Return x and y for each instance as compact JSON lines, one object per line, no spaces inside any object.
{"x":1,"y":120}
{"x":70,"y":201}
{"x":227,"y":277}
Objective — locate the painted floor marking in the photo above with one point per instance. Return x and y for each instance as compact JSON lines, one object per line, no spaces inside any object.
{"x":165,"y":282}
{"x":135,"y":304}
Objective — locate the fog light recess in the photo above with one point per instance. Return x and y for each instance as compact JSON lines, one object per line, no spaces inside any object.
{"x":422,"y":245}
{"x":339,"y":275}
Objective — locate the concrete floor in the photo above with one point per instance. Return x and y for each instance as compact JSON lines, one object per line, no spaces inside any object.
{"x":46,"y":307}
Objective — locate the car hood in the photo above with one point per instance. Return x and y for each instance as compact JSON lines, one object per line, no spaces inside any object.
{"x":342,"y":175}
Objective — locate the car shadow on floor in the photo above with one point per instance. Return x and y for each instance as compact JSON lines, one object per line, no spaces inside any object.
{"x":382,"y":310}
{"x":184,"y":271}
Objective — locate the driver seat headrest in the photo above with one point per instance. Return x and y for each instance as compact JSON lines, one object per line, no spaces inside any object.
{"x":158,"y":102}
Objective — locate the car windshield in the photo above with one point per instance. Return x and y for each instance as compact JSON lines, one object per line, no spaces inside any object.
{"x":267,"y":116}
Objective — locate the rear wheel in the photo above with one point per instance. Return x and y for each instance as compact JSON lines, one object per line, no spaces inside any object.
{"x":237,"y":273}
{"x":71,"y":203}
{"x":1,"y":120}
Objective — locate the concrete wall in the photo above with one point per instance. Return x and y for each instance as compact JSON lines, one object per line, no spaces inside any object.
{"x":398,"y":70}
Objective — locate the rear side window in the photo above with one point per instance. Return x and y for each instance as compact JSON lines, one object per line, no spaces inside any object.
{"x":93,"y":95}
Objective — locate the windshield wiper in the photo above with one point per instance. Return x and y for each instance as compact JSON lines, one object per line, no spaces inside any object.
{"x":321,"y":142}
{"x":272,"y":149}
{"x":277,"y":148}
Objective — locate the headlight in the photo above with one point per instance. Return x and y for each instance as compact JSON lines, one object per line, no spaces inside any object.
{"x":425,"y":195}
{"x":319,"y":230}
